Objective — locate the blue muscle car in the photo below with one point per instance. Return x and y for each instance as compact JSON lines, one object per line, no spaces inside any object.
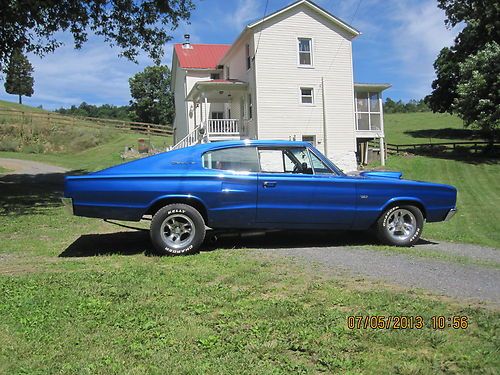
{"x":256,"y":185}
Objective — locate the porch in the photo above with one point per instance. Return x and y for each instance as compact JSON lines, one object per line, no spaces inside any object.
{"x":218,"y":109}
{"x":369,"y":121}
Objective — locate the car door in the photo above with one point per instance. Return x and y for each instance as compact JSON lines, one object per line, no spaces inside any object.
{"x":231,"y":192}
{"x":289,"y":192}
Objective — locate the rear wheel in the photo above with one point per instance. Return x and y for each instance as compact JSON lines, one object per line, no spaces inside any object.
{"x":177,"y":229}
{"x":400,"y":225}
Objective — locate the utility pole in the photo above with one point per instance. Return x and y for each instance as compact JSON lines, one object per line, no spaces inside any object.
{"x":325,"y":143}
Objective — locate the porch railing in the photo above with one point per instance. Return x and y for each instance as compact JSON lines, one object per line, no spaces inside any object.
{"x":191,"y":139}
{"x":223,"y":127}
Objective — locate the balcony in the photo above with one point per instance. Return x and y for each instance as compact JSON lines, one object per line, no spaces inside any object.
{"x":222,"y":129}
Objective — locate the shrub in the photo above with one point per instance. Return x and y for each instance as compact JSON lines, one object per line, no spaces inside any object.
{"x":9,"y":144}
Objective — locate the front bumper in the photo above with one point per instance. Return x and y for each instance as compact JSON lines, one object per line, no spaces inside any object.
{"x":450,"y":214}
{"x":68,"y":204}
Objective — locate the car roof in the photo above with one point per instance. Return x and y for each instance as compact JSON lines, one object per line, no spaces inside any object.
{"x":250,"y":142}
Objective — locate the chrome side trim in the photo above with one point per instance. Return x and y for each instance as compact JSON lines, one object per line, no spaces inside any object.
{"x":450,"y":214}
{"x":68,"y":204}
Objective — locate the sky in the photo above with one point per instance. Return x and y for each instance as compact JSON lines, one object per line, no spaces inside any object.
{"x":399,"y":43}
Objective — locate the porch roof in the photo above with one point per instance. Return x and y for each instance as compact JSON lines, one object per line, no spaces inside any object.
{"x":216,"y":90}
{"x":374,"y":87}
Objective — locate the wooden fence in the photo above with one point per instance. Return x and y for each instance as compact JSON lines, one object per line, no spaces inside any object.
{"x":439,"y":146}
{"x":52,"y":118}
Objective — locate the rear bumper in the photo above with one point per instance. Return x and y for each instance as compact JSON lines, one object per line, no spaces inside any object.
{"x":68,"y":204}
{"x":450,"y":214}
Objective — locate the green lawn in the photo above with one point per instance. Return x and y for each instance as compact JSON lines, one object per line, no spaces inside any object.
{"x":225,"y":311}
{"x":425,"y":127}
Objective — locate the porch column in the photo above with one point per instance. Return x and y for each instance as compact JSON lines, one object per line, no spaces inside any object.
{"x":206,"y":110}
{"x":194,"y":111}
{"x":382,"y":150}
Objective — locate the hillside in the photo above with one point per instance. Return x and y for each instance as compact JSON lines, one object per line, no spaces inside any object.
{"x":426,"y":127}
{"x":63,"y":140}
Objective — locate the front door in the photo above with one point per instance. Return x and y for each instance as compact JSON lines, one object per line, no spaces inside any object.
{"x":290,"y":192}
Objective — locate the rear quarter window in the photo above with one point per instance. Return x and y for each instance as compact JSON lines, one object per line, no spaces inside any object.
{"x":239,"y":159}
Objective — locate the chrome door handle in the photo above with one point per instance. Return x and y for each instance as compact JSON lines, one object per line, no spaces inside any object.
{"x":269,"y":184}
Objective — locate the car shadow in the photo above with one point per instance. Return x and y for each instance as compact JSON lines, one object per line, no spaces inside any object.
{"x":138,"y":242}
{"x":120,"y":243}
{"x":25,"y":194}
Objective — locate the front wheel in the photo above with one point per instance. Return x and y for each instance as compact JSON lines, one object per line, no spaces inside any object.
{"x":400,"y":225}
{"x":177,"y":229}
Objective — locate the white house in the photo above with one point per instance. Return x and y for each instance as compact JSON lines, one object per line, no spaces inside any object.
{"x":287,"y":76}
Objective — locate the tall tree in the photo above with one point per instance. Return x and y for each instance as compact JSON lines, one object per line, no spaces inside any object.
{"x":467,"y":81}
{"x":131,"y":25}
{"x":18,"y":76}
{"x":153,"y":100}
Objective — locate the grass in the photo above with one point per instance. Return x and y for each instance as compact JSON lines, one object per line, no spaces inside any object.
{"x":225,"y":311}
{"x":4,"y":170}
{"x":425,"y":127}
{"x":19,"y":107}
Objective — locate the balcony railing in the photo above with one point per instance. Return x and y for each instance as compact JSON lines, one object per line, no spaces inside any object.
{"x":222,"y":127}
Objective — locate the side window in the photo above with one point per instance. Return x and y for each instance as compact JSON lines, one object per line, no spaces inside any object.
{"x":239,"y":159}
{"x":287,"y":160}
{"x":319,"y":166}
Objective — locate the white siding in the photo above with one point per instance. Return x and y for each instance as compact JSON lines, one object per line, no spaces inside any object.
{"x":180,"y":121}
{"x":238,"y":70}
{"x":278,"y":82}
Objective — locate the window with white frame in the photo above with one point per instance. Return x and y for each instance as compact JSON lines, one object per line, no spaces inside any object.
{"x":307,"y":95}
{"x":368,"y":111}
{"x":305,"y":52}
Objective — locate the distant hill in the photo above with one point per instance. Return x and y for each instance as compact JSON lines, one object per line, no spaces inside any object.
{"x":19,"y":107}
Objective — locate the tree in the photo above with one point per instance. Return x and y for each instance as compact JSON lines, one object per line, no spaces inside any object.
{"x":18,"y":76}
{"x":153,"y":100}
{"x":467,"y":81}
{"x":33,"y":25}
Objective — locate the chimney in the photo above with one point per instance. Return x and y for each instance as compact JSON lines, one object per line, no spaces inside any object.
{"x":186,"y":44}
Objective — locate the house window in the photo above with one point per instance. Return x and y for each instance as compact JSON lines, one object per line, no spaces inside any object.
{"x":305,"y":51}
{"x":309,"y":138}
{"x":217,"y":115}
{"x":307,"y":95}
{"x":368,"y":111}
{"x":227,"y":72}
{"x":250,"y":106}
{"x":247,"y":55}
{"x":215,"y":76}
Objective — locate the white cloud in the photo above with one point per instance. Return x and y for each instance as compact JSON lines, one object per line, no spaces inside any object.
{"x":246,"y":11}
{"x":416,"y":40}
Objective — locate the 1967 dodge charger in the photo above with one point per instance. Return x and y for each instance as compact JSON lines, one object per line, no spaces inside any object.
{"x":256,"y":185}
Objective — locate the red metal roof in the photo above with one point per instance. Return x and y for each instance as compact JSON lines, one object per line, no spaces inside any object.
{"x":201,"y":56}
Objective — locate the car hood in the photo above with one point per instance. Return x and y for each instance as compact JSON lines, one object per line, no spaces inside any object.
{"x":382,"y":174}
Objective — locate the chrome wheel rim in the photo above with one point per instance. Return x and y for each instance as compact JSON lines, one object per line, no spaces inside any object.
{"x":401,"y":224}
{"x":177,"y":231}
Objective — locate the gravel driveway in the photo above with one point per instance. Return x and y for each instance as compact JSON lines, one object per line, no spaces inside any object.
{"x":18,"y":166}
{"x":353,"y":253}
